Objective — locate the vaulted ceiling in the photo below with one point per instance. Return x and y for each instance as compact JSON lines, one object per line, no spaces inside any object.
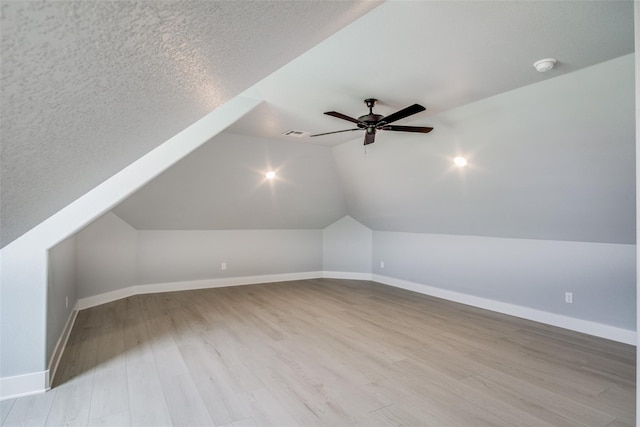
{"x":89,"y":88}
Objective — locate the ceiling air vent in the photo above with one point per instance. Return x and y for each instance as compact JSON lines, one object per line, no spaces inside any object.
{"x":296,"y":133}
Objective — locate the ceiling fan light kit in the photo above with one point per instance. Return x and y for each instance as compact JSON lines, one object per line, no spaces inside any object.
{"x":371,"y":123}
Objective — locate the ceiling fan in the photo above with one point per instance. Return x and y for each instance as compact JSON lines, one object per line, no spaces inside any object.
{"x":371,"y":123}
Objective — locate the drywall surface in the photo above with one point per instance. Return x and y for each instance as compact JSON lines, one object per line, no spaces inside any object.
{"x":62,"y":292}
{"x":347,"y":246}
{"x":528,"y":273}
{"x":106,"y":256}
{"x":24,"y":268}
{"x":222,"y":186}
{"x":23,"y":302}
{"x":554,"y":161}
{"x":184,"y":255}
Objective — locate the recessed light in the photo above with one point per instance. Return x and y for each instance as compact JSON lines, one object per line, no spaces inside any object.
{"x":270,"y":175}
{"x":460,"y":162}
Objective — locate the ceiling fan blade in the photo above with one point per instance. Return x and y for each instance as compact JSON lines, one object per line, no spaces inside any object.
{"x":342,"y":116}
{"x":337,"y":131}
{"x":406,"y":112}
{"x":369,"y":137}
{"x":419,"y":129}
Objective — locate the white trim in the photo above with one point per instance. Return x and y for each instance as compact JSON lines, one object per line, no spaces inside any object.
{"x":193,"y":284}
{"x":61,"y":345}
{"x":585,"y":326}
{"x":105,"y":298}
{"x":346,"y":275}
{"x":24,"y":385}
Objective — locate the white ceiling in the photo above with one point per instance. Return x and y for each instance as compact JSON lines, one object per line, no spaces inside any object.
{"x":469,"y":63}
{"x":222,"y":185}
{"x":553,"y":160}
{"x":441,"y":54}
{"x":89,"y":87}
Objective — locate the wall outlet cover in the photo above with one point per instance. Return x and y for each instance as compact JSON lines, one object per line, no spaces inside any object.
{"x":568,"y":297}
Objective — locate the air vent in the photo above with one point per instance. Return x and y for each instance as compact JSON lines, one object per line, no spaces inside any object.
{"x":296,"y":133}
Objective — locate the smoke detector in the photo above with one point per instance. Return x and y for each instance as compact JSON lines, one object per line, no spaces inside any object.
{"x":544,"y":65}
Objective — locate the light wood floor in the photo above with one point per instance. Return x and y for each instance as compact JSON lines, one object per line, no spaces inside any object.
{"x":326,"y":352}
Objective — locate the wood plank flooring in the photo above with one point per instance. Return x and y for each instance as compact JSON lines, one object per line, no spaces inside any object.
{"x":326,"y":352}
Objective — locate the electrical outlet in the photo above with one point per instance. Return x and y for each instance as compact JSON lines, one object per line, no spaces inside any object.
{"x":381,"y":264}
{"x":568,"y":297}
{"x":223,"y":266}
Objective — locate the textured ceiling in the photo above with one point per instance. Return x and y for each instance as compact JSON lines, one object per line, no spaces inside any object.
{"x":89,"y":87}
{"x":552,"y":167}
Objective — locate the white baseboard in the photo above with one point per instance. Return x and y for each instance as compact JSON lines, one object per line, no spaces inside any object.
{"x":107,"y":297}
{"x":61,"y":344}
{"x":191,"y":285}
{"x":346,"y":275}
{"x":24,"y":385}
{"x":585,"y":326}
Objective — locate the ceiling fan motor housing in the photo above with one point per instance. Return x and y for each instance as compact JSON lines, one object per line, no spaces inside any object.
{"x":371,"y":119}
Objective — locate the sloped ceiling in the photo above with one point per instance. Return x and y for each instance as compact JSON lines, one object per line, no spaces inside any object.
{"x":89,"y":87}
{"x":222,"y":185}
{"x":441,"y":54}
{"x":554,"y":160}
{"x":550,"y":155}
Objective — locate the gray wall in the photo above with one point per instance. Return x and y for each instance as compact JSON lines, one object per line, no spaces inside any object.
{"x":106,"y":256}
{"x":523,"y":272}
{"x":62,"y":290}
{"x":112,"y":255}
{"x":347,"y":246}
{"x":529,"y":273}
{"x":171,"y":256}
